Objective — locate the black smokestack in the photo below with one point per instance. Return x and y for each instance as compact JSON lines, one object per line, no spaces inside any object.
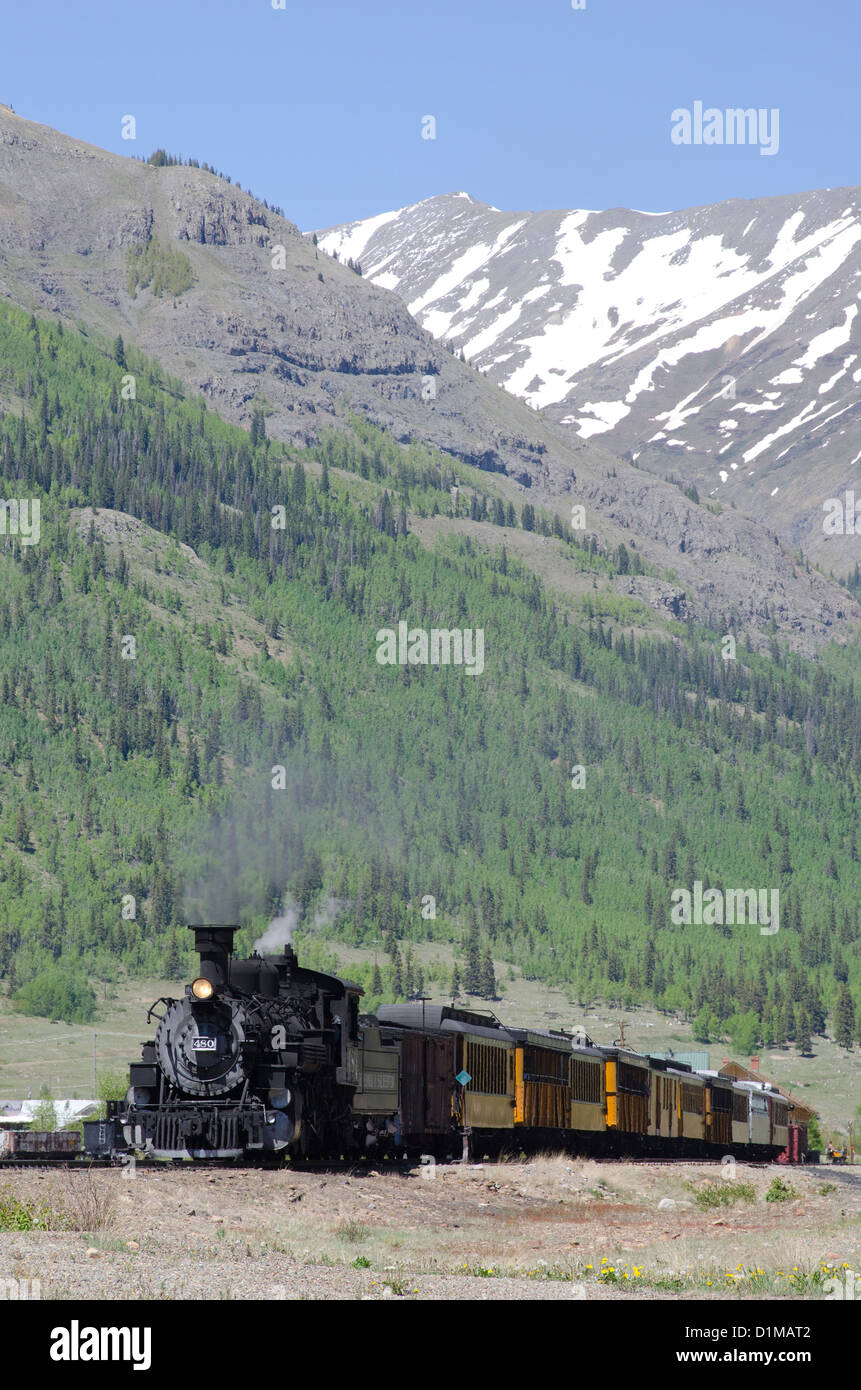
{"x":214,"y":945}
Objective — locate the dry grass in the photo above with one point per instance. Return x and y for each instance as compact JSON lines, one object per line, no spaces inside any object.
{"x":352,"y":1231}
{"x":505,"y":1229}
{"x":81,"y":1201}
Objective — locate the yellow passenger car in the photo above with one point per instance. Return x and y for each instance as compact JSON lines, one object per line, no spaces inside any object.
{"x":627,"y":1082}
{"x":664,"y":1110}
{"x":588,"y":1091}
{"x":486,"y":1101}
{"x":542,"y":1075}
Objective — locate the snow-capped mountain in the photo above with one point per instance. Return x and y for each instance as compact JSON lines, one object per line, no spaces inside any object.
{"x":325,"y":348}
{"x":720,"y":345}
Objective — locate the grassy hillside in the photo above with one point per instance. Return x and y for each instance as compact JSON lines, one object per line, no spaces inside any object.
{"x":165,"y":651}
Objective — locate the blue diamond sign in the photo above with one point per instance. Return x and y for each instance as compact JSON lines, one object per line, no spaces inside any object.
{"x":463,"y":1077}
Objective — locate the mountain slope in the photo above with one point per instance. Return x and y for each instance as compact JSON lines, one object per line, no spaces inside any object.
{"x":721,"y":344}
{"x":239,"y":307}
{"x":165,"y":653}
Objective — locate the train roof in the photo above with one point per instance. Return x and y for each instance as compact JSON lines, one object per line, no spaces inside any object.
{"x":624,"y":1053}
{"x":543,"y":1037}
{"x":448,"y":1018}
{"x":417,"y":1015}
{"x":668,"y":1064}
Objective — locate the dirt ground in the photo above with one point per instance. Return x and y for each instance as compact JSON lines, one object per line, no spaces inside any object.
{"x":554,"y":1227}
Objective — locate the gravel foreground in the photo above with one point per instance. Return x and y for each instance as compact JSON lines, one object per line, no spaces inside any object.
{"x":553,"y":1228}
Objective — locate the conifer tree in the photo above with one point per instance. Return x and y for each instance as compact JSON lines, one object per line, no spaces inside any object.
{"x":22,"y":829}
{"x":802,"y":1032}
{"x":487,"y":988}
{"x":172,"y":964}
{"x":191,"y":774}
{"x":844,"y":1018}
{"x":397,"y":974}
{"x":472,"y":971}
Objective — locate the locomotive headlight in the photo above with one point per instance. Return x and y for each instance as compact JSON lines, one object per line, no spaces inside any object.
{"x":202,"y":989}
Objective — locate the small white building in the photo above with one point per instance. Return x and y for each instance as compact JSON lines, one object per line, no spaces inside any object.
{"x":19,"y":1114}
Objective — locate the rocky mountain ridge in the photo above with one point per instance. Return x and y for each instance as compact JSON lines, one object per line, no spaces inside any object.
{"x":263,"y":317}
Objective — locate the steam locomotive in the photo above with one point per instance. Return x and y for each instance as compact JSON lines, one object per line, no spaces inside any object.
{"x":263,"y":1059}
{"x":256,"y":1059}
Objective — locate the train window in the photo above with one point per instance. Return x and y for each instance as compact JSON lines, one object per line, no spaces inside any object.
{"x":666,"y":1098}
{"x":692,"y":1099}
{"x":545,"y":1064}
{"x":739,"y":1105}
{"x":486,"y":1066}
{"x":633,"y":1079}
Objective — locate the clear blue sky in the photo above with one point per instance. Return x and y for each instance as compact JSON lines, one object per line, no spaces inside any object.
{"x":318,"y":106}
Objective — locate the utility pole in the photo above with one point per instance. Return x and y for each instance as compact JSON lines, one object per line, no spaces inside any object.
{"x":425,"y":998}
{"x":95,"y":1084}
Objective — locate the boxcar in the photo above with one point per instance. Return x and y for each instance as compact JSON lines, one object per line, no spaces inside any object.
{"x":437,"y":1044}
{"x":28,"y":1143}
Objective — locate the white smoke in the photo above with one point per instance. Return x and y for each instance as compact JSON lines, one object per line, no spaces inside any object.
{"x":279,"y":933}
{"x":328,"y":910}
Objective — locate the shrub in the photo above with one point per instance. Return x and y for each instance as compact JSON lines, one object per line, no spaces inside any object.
{"x":780,"y":1191}
{"x":723,"y":1194}
{"x":112,"y":1085}
{"x":85,"y":1202}
{"x":59,"y":995}
{"x":352,"y":1231}
{"x":16,"y":1215}
{"x":45,"y":1114}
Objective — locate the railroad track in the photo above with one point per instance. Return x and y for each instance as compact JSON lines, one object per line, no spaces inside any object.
{"x":63,"y":1162}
